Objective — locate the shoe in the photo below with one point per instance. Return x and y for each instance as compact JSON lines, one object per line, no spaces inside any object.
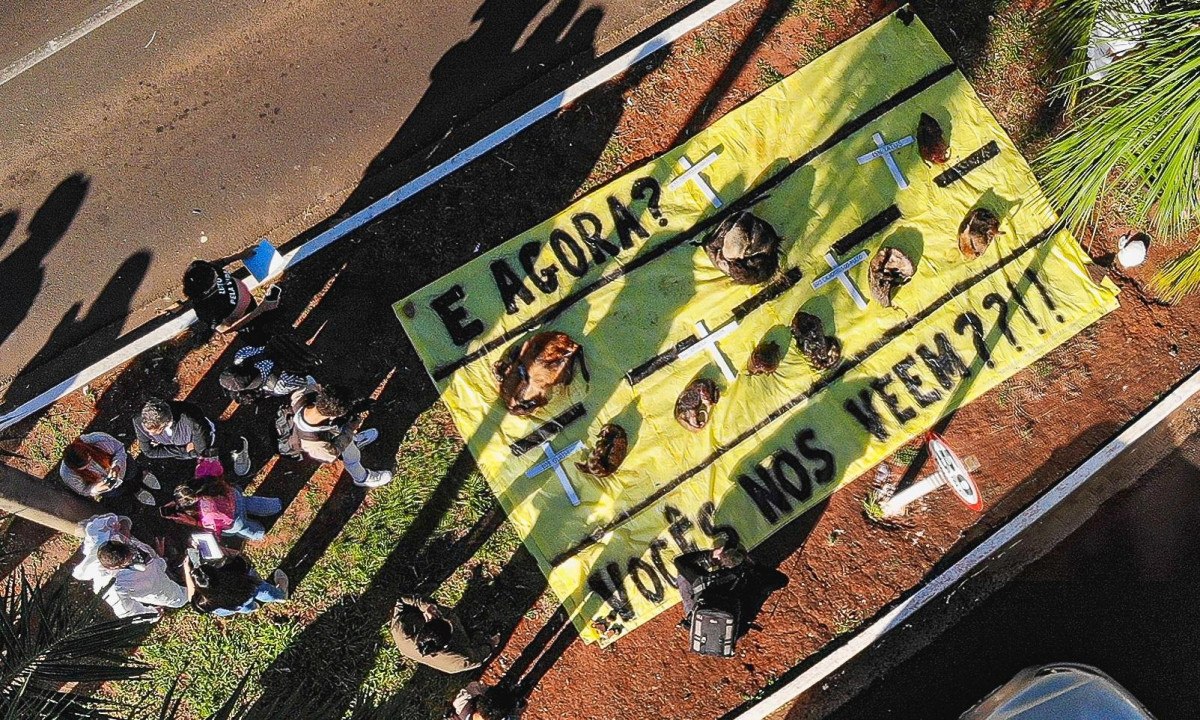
{"x":241,"y":459}
{"x":151,"y":482}
{"x":144,"y":498}
{"x":281,"y":581}
{"x":366,"y":437}
{"x":375,"y":478}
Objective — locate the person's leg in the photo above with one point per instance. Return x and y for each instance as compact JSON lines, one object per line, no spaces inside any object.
{"x":247,"y":528}
{"x":352,"y":459}
{"x":262,"y":506}
{"x":685,"y":592}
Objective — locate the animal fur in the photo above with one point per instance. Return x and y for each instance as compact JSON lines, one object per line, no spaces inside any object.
{"x":612,"y":445}
{"x":979,"y":228}
{"x":822,"y":351}
{"x":694,"y":406}
{"x":931,"y":141}
{"x":890,"y":268}
{"x":764,"y":359}
{"x":744,"y":247}
{"x":528,"y":378}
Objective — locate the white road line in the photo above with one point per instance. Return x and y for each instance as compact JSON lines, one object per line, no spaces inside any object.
{"x":111,"y":12}
{"x":474,"y":151}
{"x":1032,"y":514}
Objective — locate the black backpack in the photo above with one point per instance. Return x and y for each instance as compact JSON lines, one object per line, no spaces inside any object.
{"x":714,"y":629}
{"x":286,"y":434}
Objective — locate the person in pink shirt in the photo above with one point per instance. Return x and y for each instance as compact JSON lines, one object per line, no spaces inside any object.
{"x":219,"y":506}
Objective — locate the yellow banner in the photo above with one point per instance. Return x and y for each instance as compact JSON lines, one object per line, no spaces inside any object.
{"x":829,"y":158}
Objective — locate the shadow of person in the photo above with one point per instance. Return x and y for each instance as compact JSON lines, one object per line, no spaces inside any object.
{"x":492,"y":64}
{"x":23,"y":270}
{"x":353,"y":625}
{"x":114,"y":300}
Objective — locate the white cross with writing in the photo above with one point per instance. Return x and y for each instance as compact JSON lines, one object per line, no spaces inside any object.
{"x":885,"y":150}
{"x":707,"y":341}
{"x":692,"y":173}
{"x":554,"y":459}
{"x":840,"y":272}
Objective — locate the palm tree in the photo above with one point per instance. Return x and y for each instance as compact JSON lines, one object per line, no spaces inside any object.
{"x":48,"y":640}
{"x":1135,"y":130}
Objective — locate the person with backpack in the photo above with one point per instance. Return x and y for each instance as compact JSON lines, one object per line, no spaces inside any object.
{"x":220,"y":507}
{"x":180,"y":430}
{"x":722,"y":589}
{"x":267,"y":370}
{"x":322,"y":423}
{"x":221,"y":301}
{"x":434,"y":635}
{"x":229,"y":585}
{"x":97,"y":466}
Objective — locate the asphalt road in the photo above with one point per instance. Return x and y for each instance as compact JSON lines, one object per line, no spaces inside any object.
{"x":1122,"y":593}
{"x":190,"y":129}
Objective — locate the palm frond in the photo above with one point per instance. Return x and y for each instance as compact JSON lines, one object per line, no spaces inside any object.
{"x":1137,"y":133}
{"x":48,"y":639}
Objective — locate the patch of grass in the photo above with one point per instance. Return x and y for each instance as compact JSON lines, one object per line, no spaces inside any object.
{"x":699,"y":44}
{"x":846,"y":621}
{"x":209,"y":656}
{"x":905,"y":455}
{"x":611,"y":160}
{"x":768,"y":75}
{"x":872,"y":505}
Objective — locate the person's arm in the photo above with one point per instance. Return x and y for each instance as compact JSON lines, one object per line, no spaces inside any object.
{"x":157,"y":589}
{"x":113,"y":447}
{"x":75,"y":482}
{"x":201,"y":445}
{"x":174,"y":513}
{"x":155,"y":451}
{"x":694,"y":565}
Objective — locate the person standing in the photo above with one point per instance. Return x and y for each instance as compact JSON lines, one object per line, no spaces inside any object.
{"x":180,"y":430}
{"x":221,"y":301}
{"x":125,"y":572}
{"x":324,"y":424}
{"x":97,"y":466}
{"x":434,"y":635}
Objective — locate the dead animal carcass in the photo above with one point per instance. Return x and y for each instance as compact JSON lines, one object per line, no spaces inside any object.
{"x":529,"y":376}
{"x":694,"y":406}
{"x":822,"y":351}
{"x":890,"y":268}
{"x":744,"y":247}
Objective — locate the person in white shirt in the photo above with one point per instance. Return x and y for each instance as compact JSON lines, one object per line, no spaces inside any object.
{"x":127,"y":573}
{"x":97,"y":466}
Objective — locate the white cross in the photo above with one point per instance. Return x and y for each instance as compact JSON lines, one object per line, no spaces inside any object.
{"x":885,"y":151}
{"x":691,"y":173}
{"x":554,"y":460}
{"x":707,"y":341}
{"x":840,"y":273}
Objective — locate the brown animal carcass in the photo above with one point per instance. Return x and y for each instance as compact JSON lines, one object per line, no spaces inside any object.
{"x":931,"y":141}
{"x":612,"y":445}
{"x":528,"y":377}
{"x":694,"y":406}
{"x":764,"y":359}
{"x":890,"y":268}
{"x":744,"y":247}
{"x":979,"y":228}
{"x":822,"y":351}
